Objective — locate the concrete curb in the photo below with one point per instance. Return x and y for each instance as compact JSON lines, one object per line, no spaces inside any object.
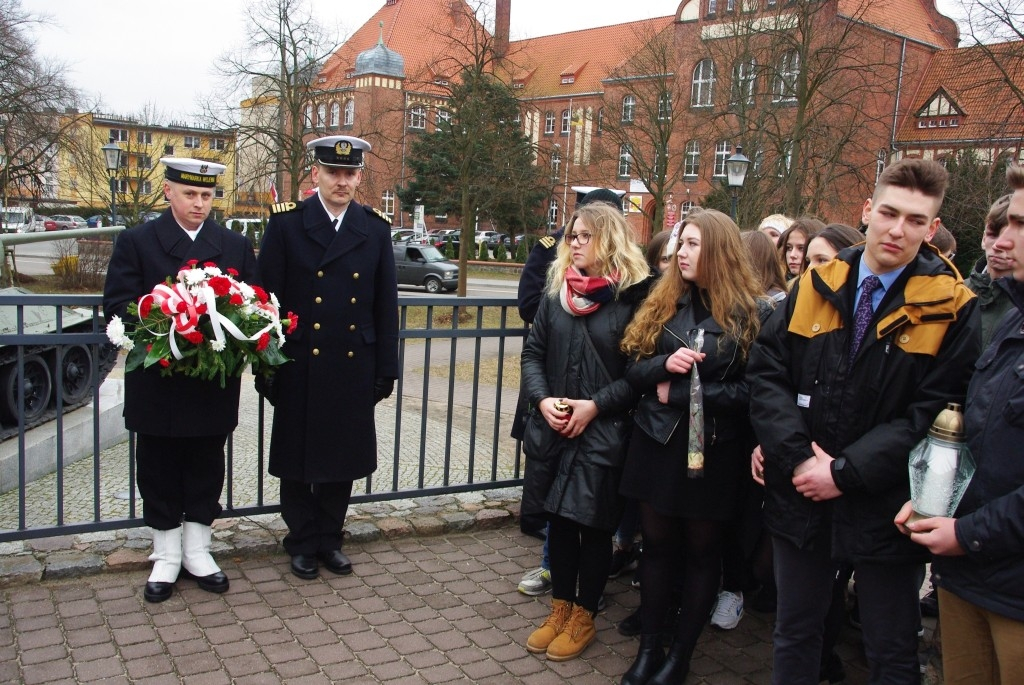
{"x":71,"y":556}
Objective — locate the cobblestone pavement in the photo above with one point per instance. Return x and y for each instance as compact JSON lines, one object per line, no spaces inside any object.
{"x":416,"y":610}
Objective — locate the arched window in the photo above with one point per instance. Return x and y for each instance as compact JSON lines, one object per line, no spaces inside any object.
{"x":628,"y":109}
{"x":387,"y":202}
{"x":307,"y":118}
{"x":784,"y":87}
{"x":743,"y":81}
{"x":566,"y":121}
{"x":703,"y":84}
{"x":691,"y":160}
{"x":600,"y":121}
{"x":321,"y":115}
{"x":350,"y":112}
{"x":417,"y":117}
{"x":625,"y":159}
{"x":335,"y":114}
{"x":549,"y":122}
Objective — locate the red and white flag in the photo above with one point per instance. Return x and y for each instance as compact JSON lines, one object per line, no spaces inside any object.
{"x":273,"y":191}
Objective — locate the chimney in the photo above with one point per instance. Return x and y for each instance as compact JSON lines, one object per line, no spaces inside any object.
{"x":502,"y":14}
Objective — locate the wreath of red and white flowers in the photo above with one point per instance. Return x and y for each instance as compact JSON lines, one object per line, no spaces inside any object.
{"x":206,"y":324}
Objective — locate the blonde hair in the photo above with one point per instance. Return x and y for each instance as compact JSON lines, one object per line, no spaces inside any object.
{"x":780,"y":222}
{"x":725,"y":274}
{"x":614,"y":249}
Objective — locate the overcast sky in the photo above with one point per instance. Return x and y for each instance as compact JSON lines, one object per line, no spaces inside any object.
{"x":161,"y":53}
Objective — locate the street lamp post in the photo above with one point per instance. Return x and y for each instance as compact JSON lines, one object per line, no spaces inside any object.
{"x":112,"y":159}
{"x":736,"y":170}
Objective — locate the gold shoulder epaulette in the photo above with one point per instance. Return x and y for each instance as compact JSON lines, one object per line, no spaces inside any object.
{"x":382,"y":215}
{"x":279,"y":207}
{"x":547,"y":242}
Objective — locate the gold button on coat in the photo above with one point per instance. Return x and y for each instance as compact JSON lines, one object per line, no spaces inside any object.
{"x":320,"y":274}
{"x":316,"y":327}
{"x":318,"y":300}
{"x":353,"y":300}
{"x":351,"y":354}
{"x":355,"y":276}
{"x":316,"y":351}
{"x":352,"y":327}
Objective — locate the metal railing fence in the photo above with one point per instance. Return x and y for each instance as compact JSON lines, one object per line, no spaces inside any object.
{"x":444,"y":430}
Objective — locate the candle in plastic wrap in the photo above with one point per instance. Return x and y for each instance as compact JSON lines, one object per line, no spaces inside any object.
{"x":695,"y":448}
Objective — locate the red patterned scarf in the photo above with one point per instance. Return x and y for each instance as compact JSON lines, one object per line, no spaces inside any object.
{"x":582,"y":295}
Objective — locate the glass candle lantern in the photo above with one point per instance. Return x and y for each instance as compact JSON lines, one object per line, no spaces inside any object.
{"x":941,"y":466}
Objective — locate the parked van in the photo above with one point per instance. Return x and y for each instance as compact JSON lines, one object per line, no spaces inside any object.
{"x":15,"y":219}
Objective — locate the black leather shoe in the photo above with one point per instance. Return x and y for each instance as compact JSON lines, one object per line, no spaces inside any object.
{"x":304,"y":566}
{"x":157,"y":592}
{"x":649,"y":658}
{"x":336,"y":562}
{"x":215,"y":582}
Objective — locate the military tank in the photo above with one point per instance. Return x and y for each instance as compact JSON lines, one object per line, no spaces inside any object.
{"x":45,"y":376}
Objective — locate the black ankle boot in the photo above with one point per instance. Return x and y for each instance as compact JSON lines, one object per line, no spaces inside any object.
{"x":648,"y":660}
{"x":675,"y":668}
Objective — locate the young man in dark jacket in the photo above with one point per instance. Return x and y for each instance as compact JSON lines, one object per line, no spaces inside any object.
{"x":845,"y":379}
{"x":979,"y":565}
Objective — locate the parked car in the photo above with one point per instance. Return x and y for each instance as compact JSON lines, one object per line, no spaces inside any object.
{"x":402,"y":235}
{"x":65,"y":221}
{"x":41,"y":223}
{"x":424,"y":265}
{"x":493,"y":238}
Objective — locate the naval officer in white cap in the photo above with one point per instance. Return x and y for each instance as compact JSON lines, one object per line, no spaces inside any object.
{"x":330,"y":260}
{"x":181,"y":424}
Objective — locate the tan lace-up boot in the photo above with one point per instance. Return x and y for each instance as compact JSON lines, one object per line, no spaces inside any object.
{"x":549,"y":630}
{"x":578,"y":632}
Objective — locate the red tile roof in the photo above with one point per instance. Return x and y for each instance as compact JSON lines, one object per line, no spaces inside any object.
{"x":916,"y":19}
{"x":977,"y":87}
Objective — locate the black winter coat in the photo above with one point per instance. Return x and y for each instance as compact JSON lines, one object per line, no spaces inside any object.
{"x":917,"y":356}
{"x":990,"y":519}
{"x":581,"y":481}
{"x":143,"y":257}
{"x":342,"y":284}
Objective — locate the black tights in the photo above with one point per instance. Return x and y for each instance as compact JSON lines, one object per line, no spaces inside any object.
{"x":679,"y":553}
{"x":581,"y":556}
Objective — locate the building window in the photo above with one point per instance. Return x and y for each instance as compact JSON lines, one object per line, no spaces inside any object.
{"x":784,"y":87}
{"x":703,"y":84}
{"x":444,"y":119}
{"x":730,"y":5}
{"x":600,"y":121}
{"x":387,"y":202}
{"x":712,"y":6}
{"x":665,"y":106}
{"x":307,"y":117}
{"x":118,"y":135}
{"x":772,"y":3}
{"x":122,"y":185}
{"x":743,"y":81}
{"x":417,"y":117}
{"x":553,"y":213}
{"x":691,"y":160}
{"x":335,"y":115}
{"x":168,"y":149}
{"x":625,"y":159}
{"x":218,"y":193}
{"x":556,"y":163}
{"x":721,"y":154}
{"x":321,"y":115}
{"x":566,"y":121}
{"x":786,"y":159}
{"x":192,"y":142}
{"x":685,"y":208}
{"x":549,"y":122}
{"x":628,"y":109}
{"x":147,"y":187}
{"x":879,"y":163}
{"x":144,"y":137}
{"x":144,"y":162}
{"x":218,"y":144}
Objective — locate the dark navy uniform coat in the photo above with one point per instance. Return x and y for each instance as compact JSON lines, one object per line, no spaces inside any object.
{"x":143,"y":257}
{"x":342,"y":284}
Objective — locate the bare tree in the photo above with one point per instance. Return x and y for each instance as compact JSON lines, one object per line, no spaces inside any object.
{"x":277,"y":69}
{"x":808,"y":92}
{"x":653,"y":99}
{"x":33,"y":98}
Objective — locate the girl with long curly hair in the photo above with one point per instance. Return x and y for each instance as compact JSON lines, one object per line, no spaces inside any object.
{"x":683,"y":517}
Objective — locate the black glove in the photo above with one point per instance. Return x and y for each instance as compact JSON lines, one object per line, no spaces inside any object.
{"x":265,"y":387}
{"x":382,"y":389}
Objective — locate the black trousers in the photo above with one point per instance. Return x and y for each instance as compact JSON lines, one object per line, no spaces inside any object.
{"x":315,"y":515}
{"x":179,"y":478}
